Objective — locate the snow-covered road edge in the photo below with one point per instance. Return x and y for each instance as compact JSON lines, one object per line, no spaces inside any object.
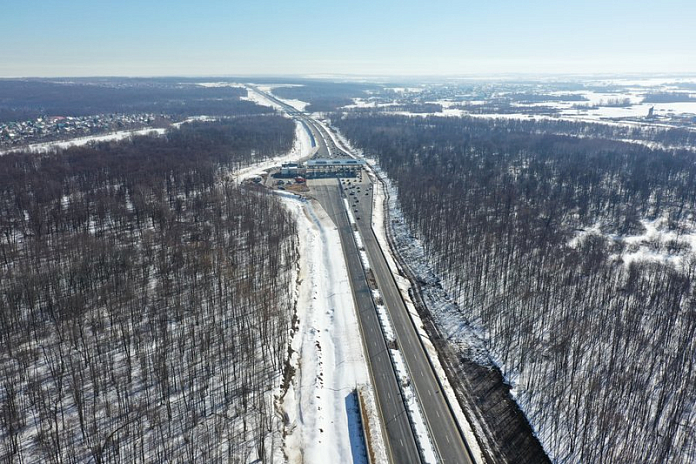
{"x":326,"y":348}
{"x":380,"y":215}
{"x":301,"y":148}
{"x":319,"y":410}
{"x":412,"y":403}
{"x":321,"y":415}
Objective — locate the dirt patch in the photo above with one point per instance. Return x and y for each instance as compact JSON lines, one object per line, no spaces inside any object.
{"x":299,"y":188}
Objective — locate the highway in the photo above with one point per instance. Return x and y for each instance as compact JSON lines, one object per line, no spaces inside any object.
{"x":325,"y":145}
{"x":444,"y":430}
{"x":401,"y":442}
{"x":449,"y":442}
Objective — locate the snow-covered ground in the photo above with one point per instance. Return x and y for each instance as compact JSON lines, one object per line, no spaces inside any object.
{"x":597,"y":103}
{"x":386,"y":206}
{"x":44,"y":147}
{"x":221,"y":84}
{"x":259,"y":99}
{"x":302,"y":148}
{"x":369,"y":103}
{"x":406,"y":89}
{"x":323,"y":423}
{"x":320,"y":404}
{"x":270,"y":87}
{"x":379,"y":225}
{"x":657,"y":243}
{"x":636,"y":109}
{"x":297,"y":104}
{"x":323,"y":419}
{"x":648,"y":81}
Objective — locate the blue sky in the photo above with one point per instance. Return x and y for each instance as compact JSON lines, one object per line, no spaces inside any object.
{"x":310,"y":37}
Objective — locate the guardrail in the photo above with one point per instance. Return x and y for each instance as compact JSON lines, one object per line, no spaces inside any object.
{"x":409,"y":275}
{"x":365,"y":424}
{"x":402,"y":393}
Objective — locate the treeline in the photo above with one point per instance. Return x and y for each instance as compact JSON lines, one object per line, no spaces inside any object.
{"x":533,"y":97}
{"x":27,"y":99}
{"x":324,"y":96}
{"x":145,"y":302}
{"x":668,"y":97}
{"x":603,"y":354}
{"x":416,"y":108}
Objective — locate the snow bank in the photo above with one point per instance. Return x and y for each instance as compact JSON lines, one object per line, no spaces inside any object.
{"x":385,"y":322}
{"x":385,"y":204}
{"x":365,"y":260}
{"x":413,"y":408}
{"x":351,"y":218}
{"x":323,"y":423}
{"x":358,"y":240}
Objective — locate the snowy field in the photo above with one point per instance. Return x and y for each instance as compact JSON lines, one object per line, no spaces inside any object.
{"x":593,"y":100}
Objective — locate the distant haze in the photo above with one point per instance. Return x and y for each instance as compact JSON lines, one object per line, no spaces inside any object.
{"x":311,"y":37}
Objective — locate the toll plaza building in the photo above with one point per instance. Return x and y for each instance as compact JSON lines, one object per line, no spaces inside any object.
{"x":333,"y":167}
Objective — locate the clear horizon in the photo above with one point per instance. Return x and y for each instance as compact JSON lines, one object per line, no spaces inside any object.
{"x":450,"y":39}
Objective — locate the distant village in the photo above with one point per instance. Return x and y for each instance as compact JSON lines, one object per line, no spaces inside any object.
{"x":49,"y":128}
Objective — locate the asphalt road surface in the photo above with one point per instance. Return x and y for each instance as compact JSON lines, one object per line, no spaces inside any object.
{"x":444,"y":430}
{"x":448,"y":439}
{"x":400,"y":439}
{"x":325,"y":145}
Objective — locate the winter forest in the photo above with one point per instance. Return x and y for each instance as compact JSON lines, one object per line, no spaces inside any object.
{"x":538,"y":231}
{"x":149,"y":297}
{"x":145,"y":298}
